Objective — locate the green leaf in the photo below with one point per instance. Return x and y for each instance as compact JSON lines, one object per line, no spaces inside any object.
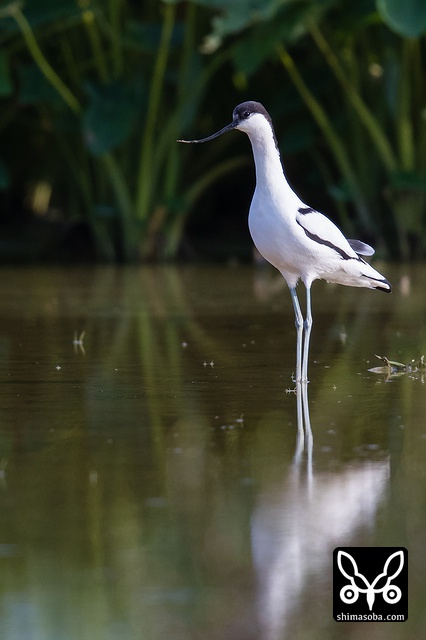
{"x":39,"y":13}
{"x":233,"y":16}
{"x":405,"y":17}
{"x":35,"y":89}
{"x":260,"y":42}
{"x":145,"y":37}
{"x":110,"y":116}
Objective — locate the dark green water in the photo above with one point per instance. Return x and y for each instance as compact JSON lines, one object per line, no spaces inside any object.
{"x":152,"y":483}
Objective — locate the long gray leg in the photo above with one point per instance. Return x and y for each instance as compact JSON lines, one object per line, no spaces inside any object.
{"x":308,"y":328}
{"x":299,"y":330}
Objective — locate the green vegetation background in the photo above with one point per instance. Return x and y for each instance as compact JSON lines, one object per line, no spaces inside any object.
{"x":94,"y":93}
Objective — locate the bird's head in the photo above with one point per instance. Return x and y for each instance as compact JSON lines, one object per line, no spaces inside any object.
{"x":249,"y":117}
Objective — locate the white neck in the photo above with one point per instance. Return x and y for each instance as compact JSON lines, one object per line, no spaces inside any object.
{"x":270,"y":176}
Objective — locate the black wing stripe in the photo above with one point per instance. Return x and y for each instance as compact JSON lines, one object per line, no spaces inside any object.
{"x":326,"y":243}
{"x":304,"y":210}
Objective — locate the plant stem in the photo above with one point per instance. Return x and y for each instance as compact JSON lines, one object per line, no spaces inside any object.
{"x":170,"y":130}
{"x":88,"y":17}
{"x":373,"y":127}
{"x":404,"y":123}
{"x":332,"y":138}
{"x":176,"y":229}
{"x":41,"y":61}
{"x":115,"y":11}
{"x":172,"y":164}
{"x":124,"y":204}
{"x":145,"y":186}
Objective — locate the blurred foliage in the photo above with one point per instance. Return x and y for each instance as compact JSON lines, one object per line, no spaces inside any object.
{"x":100,"y":92}
{"x":94,"y":94}
{"x":359,"y":72}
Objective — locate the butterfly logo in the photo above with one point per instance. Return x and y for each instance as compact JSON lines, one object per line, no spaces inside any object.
{"x":391,"y":593}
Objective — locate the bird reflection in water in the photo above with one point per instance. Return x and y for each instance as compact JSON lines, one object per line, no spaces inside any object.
{"x":305,"y":438}
{"x":302,"y":519}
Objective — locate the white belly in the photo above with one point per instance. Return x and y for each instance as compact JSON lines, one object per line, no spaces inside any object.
{"x":276,"y":238}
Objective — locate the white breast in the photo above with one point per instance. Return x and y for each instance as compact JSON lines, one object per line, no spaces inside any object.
{"x":274,"y":233}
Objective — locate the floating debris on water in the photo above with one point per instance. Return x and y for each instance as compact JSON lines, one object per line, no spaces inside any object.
{"x":393,"y":368}
{"x":78,"y":341}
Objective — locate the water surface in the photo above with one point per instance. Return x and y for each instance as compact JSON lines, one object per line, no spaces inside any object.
{"x":154,"y":482}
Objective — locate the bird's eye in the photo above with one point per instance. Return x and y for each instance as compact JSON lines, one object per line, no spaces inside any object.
{"x":246,"y":114}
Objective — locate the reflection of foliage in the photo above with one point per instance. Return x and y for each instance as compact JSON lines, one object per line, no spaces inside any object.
{"x":136,"y":454}
{"x":104,"y":88}
{"x":127,"y":451}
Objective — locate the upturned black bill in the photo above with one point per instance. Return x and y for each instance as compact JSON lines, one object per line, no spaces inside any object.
{"x":228,"y":127}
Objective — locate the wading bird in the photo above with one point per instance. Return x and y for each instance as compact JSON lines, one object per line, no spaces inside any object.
{"x":300,"y":242}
